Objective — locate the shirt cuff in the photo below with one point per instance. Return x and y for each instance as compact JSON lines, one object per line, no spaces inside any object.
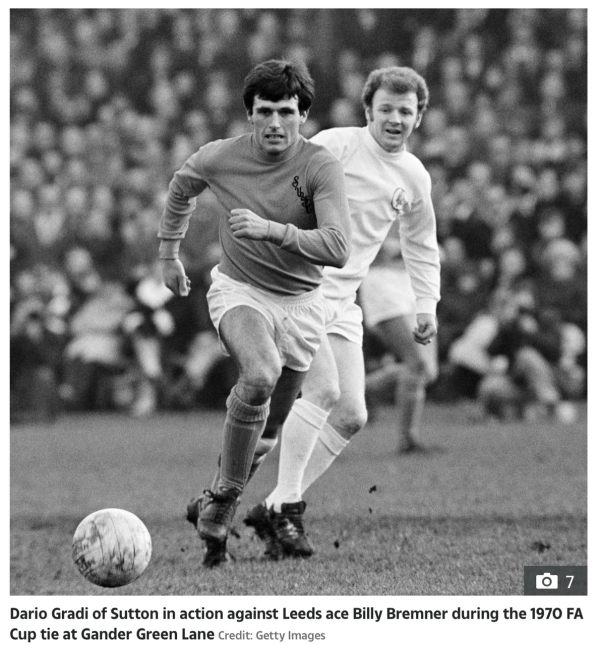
{"x":426,"y":306}
{"x":168,"y":249}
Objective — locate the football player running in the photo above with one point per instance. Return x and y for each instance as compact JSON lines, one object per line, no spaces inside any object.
{"x":285,"y":216}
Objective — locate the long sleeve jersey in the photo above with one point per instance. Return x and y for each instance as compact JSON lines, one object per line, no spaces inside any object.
{"x":382,"y":187}
{"x":303,"y":189}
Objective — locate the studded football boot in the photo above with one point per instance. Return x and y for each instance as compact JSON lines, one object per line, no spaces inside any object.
{"x":289,"y":530}
{"x":259,"y":519}
{"x":212,"y":515}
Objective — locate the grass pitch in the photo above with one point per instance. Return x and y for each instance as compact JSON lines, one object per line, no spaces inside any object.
{"x":461,"y":520}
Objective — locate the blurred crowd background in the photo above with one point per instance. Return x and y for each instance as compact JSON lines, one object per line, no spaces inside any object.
{"x":107,"y":103}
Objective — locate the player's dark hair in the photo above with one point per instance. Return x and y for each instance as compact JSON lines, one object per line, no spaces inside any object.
{"x":398,"y":80}
{"x":275,"y":80}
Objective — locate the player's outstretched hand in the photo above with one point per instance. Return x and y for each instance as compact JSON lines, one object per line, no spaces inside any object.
{"x":245,"y":223}
{"x":426,"y":328}
{"x":174,"y":277}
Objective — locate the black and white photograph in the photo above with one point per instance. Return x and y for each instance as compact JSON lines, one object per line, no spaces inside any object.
{"x":395,"y":402}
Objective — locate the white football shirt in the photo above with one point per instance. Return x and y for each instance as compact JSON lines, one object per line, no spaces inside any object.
{"x":382,"y":187}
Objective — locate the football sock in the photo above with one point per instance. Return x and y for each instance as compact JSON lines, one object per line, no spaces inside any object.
{"x":328,"y":446}
{"x":410,"y":401}
{"x":244,"y":424}
{"x":283,"y":397}
{"x":299,"y":435}
{"x":215,"y":482}
{"x":263,"y":448}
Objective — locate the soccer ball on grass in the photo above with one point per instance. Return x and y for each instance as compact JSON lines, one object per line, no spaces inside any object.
{"x":111,"y":547}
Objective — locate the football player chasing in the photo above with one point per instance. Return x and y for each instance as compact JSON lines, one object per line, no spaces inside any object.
{"x":384,"y":183}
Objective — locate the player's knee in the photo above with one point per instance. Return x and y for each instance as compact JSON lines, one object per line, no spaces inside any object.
{"x":417,"y":367}
{"x":257,"y":383}
{"x":351,"y":419}
{"x":419,"y":371}
{"x":324,"y":395}
{"x":329,"y":396}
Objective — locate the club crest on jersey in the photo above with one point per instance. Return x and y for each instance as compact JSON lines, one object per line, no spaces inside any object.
{"x":305,"y":200}
{"x":400,"y":201}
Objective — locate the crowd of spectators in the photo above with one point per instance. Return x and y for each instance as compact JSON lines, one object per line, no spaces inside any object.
{"x":107,"y":103}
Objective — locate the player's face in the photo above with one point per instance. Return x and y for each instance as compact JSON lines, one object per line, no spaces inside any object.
{"x":276,"y":124}
{"x":392,"y":118}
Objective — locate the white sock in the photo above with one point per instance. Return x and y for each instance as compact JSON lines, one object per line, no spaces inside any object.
{"x":327,"y":448}
{"x":298,"y":437}
{"x":410,"y":401}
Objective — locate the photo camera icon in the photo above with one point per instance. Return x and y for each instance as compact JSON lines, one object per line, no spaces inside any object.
{"x":546,"y":581}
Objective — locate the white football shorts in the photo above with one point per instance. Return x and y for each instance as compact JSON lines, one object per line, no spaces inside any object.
{"x":344,"y":317}
{"x":297,"y":322}
{"x":386,"y":293}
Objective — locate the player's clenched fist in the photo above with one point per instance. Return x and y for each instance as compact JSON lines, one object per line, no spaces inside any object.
{"x":245,"y":223}
{"x":426,"y":328}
